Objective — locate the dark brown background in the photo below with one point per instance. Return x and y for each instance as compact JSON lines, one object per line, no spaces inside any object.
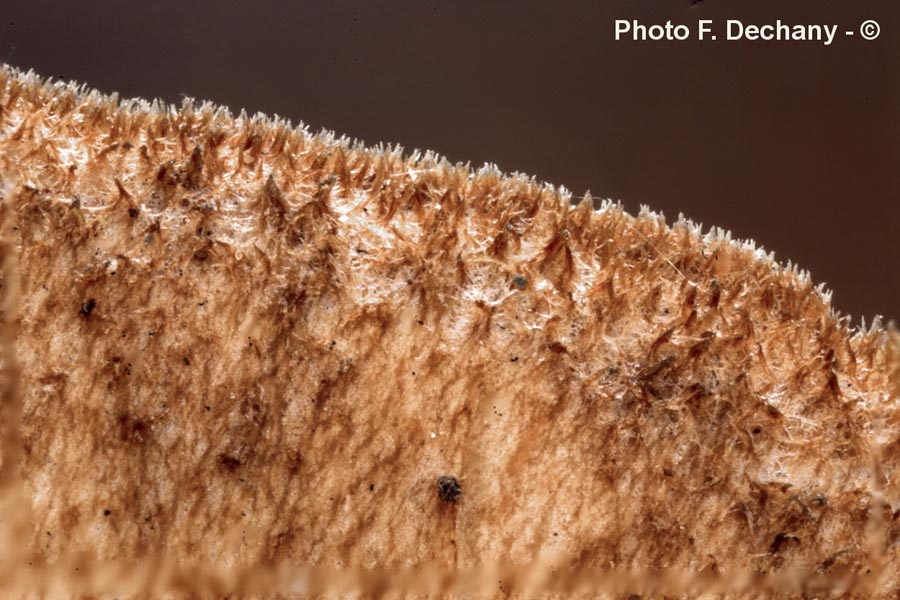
{"x":794,"y":144}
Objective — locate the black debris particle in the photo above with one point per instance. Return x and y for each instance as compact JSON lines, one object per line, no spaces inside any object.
{"x":133,"y":213}
{"x":448,"y":488}
{"x":87,"y":307}
{"x":106,"y":512}
{"x":520,"y":282}
{"x":371,"y":487}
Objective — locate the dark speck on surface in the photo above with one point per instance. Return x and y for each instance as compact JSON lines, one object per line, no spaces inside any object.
{"x":448,"y":488}
{"x":87,"y":307}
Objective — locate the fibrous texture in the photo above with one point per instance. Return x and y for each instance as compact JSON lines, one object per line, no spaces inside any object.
{"x":240,"y":343}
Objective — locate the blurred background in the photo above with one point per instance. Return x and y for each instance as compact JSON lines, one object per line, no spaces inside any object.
{"x":794,"y":144}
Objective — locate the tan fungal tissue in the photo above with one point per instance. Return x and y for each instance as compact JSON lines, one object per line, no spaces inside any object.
{"x":231,"y":343}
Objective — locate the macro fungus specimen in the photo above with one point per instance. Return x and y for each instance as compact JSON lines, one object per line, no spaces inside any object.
{"x":231,"y":342}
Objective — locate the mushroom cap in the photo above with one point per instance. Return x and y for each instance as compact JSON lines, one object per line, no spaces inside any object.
{"x":231,"y":332}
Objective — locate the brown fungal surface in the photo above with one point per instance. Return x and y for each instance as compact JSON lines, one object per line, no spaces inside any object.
{"x":240,"y":343}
